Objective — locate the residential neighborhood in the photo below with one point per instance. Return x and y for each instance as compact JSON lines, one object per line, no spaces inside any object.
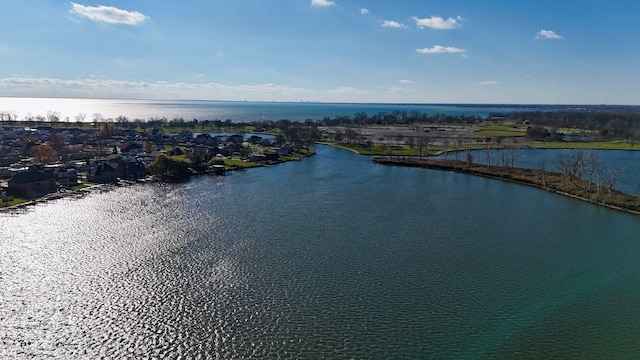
{"x":36,"y":161}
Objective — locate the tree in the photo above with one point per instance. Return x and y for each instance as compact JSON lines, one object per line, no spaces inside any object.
{"x":573,"y":165}
{"x":593,"y":169}
{"x":55,"y":140}
{"x":611,"y":178}
{"x":80,"y":117}
{"x":166,"y":166}
{"x":105,"y":133}
{"x":97,"y":119}
{"x":488,"y":154}
{"x":351,"y":135}
{"x":538,"y":132}
{"x":469,"y":157}
{"x":423,"y":145}
{"x":543,"y":169}
{"x":147,"y":147}
{"x":458,"y":149}
{"x":44,"y":154}
{"x":411,"y":142}
{"x":53,"y":116}
{"x":512,"y":156}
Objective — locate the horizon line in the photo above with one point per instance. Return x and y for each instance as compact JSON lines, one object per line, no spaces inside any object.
{"x":504,"y":104}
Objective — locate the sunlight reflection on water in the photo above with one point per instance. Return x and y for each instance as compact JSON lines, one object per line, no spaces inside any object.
{"x":330,"y":257}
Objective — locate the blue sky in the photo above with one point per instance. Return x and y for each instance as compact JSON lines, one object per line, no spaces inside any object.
{"x":454,"y":51}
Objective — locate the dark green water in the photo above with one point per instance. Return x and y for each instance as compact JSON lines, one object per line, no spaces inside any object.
{"x":330,"y":257}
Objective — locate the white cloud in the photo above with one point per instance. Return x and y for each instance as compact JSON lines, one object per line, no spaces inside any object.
{"x":405,"y":81}
{"x":364,"y":11}
{"x":396,"y":89}
{"x":322,"y":3}
{"x":107,"y":88}
{"x":108,"y":14}
{"x":438,"y":23}
{"x":393,"y":24}
{"x":488,"y":83}
{"x":547,"y":34}
{"x":345,"y":90}
{"x":438,"y":49}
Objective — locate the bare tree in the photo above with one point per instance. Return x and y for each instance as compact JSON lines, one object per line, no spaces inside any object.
{"x":573,"y":165}
{"x":469,"y":157}
{"x":458,"y":148}
{"x":80,"y":117}
{"x":423,"y":145}
{"x":44,"y":154}
{"x":411,"y":142}
{"x":97,"y":119}
{"x":512,"y":156}
{"x":399,"y":137}
{"x":488,"y":154}
{"x":542,"y":163}
{"x":503,"y":157}
{"x":593,"y":169}
{"x":611,"y":178}
{"x":351,"y":135}
{"x":53,"y":116}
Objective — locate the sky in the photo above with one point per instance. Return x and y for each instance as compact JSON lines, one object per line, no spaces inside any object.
{"x":401,"y":51}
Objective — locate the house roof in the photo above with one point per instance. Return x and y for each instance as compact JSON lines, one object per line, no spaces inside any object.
{"x":27,"y":177}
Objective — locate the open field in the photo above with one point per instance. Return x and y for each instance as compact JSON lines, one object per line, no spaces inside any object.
{"x":412,"y":140}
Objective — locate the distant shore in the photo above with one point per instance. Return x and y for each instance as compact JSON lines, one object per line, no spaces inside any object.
{"x":547,"y":180}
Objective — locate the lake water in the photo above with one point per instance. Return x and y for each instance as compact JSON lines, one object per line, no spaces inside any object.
{"x":236,"y":111}
{"x":329,"y":257}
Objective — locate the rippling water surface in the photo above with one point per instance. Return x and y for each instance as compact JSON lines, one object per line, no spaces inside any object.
{"x":329,"y":257}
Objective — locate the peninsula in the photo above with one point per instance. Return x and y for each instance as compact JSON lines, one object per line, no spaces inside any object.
{"x":600,"y":190}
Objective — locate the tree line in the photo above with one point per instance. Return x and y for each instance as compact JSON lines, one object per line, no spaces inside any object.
{"x":609,"y":122}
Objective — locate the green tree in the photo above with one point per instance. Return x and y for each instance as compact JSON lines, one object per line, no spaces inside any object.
{"x":166,"y":166}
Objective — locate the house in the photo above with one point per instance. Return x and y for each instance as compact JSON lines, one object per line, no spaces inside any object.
{"x":206,"y":139}
{"x":117,"y":167}
{"x":255,"y":140}
{"x":236,"y":139}
{"x":130,"y":148}
{"x":131,"y":169}
{"x":176,"y":152}
{"x":103,"y":172}
{"x":32,"y":183}
{"x":284,"y":150}
{"x":66,"y":177}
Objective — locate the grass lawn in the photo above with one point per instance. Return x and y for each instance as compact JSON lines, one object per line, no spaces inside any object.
{"x":84,"y":185}
{"x":500,"y":133}
{"x":238,"y":163}
{"x":598,"y":145}
{"x":14,"y":202}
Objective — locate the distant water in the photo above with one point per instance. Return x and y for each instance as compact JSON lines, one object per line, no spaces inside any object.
{"x":331,"y":257}
{"x":68,"y":109}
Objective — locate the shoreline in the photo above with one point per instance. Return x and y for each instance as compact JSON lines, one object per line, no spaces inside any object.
{"x":70,"y":193}
{"x":544,"y":180}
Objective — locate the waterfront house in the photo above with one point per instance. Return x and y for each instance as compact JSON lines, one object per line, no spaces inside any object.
{"x":66,"y":177}
{"x":103,"y":172}
{"x":235,"y":138}
{"x":32,"y":183}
